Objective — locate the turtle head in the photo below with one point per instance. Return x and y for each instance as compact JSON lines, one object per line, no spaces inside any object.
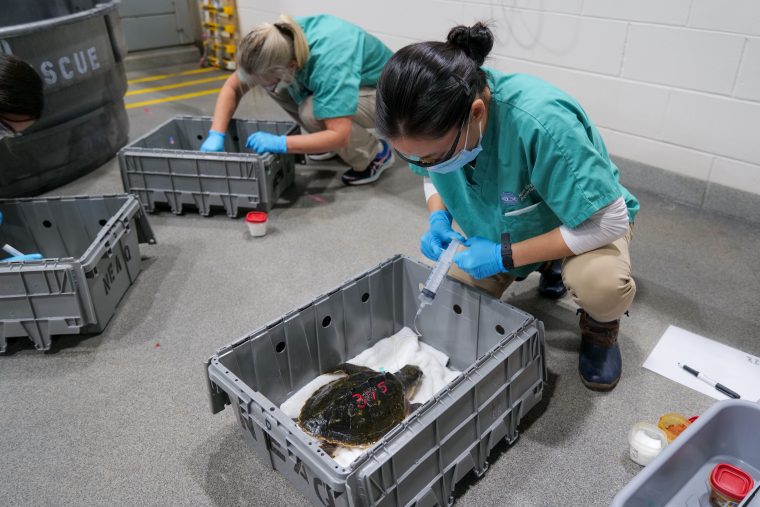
{"x":409,"y":376}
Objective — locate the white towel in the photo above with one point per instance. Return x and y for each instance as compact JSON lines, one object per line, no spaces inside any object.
{"x":389,"y":354}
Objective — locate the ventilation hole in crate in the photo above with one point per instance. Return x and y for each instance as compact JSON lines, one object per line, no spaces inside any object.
{"x":326,"y":321}
{"x":271,"y":409}
{"x":102,"y":221}
{"x":365,"y":297}
{"x":457,"y":309}
{"x":280,"y":347}
{"x":200,"y":137}
{"x":47,"y":223}
{"x":236,"y":139}
{"x":499,"y":329}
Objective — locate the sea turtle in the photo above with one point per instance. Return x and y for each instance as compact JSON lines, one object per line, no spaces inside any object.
{"x":358,"y":409}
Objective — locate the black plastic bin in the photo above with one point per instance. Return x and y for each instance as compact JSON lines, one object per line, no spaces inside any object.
{"x":78,"y":49}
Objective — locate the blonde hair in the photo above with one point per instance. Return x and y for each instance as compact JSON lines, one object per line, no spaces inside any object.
{"x":270,"y":47}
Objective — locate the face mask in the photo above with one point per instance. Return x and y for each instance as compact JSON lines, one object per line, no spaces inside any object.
{"x":283,"y":84}
{"x":461,"y":159}
{"x":280,"y":86}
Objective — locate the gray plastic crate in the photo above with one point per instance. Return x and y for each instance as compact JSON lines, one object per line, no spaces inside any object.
{"x":91,"y":244}
{"x":729,"y":432}
{"x":499,"y":349}
{"x":165,"y":167}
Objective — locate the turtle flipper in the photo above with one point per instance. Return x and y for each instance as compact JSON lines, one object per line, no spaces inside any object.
{"x":350,"y":369}
{"x":410,"y":408}
{"x":329,"y":448}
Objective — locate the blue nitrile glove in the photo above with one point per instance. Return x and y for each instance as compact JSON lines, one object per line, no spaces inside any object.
{"x":264,"y":142}
{"x":482,"y":259}
{"x":27,"y":257}
{"x":214,"y":141}
{"x":439,"y":235}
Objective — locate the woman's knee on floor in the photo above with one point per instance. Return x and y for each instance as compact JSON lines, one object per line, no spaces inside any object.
{"x":604,"y":292}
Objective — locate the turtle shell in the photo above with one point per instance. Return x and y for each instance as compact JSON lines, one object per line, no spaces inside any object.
{"x":356,"y":410}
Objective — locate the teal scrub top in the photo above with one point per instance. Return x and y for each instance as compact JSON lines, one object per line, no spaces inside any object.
{"x":342,"y":58}
{"x":543,"y":164}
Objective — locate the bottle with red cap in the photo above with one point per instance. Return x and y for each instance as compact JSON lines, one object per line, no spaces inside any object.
{"x":728,"y":485}
{"x":257,"y":223}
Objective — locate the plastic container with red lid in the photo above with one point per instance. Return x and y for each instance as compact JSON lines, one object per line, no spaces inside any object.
{"x":728,"y":485}
{"x":257,"y":223}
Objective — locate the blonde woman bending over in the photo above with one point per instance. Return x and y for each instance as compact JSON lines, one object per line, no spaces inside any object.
{"x":323,"y":72}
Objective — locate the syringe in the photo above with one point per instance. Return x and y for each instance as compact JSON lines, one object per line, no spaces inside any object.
{"x":434,"y":281}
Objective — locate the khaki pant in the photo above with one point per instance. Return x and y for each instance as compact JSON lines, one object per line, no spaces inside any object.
{"x":363,"y":145}
{"x":599,"y":281}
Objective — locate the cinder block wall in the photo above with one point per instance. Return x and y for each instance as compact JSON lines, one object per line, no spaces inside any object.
{"x":673,"y":85}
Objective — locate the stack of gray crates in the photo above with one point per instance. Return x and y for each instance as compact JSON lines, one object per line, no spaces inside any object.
{"x":92,"y":257}
{"x":499,"y":349}
{"x":166,"y":167}
{"x":77,"y":47}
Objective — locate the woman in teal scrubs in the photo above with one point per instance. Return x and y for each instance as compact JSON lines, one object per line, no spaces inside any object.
{"x":323,"y":72}
{"x":520,"y":167}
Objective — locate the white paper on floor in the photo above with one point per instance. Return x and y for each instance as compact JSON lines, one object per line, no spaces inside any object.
{"x":389,"y":354}
{"x":731,"y":367}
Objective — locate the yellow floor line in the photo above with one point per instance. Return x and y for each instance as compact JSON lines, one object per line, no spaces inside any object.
{"x":164,"y":76}
{"x":176,"y":85}
{"x":172,"y":98}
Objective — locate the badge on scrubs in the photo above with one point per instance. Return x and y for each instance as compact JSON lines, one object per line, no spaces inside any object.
{"x":509,"y":198}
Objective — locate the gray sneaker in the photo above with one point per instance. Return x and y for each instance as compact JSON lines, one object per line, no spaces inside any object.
{"x":319,"y":157}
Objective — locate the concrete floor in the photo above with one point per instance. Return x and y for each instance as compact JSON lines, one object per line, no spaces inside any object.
{"x":122,"y":418}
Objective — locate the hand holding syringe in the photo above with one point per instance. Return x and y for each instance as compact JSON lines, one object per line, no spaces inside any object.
{"x":434,"y":281}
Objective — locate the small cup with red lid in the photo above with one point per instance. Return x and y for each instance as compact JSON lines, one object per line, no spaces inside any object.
{"x":728,"y":485}
{"x":257,"y":223}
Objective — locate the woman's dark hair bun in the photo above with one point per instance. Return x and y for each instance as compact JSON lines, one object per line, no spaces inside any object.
{"x":476,"y":40}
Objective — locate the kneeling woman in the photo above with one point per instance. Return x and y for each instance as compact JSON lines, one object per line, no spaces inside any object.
{"x":322,"y":71}
{"x":523,"y":171}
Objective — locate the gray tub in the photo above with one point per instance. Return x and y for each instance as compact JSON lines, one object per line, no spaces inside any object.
{"x":498,"y":348}
{"x":78,"y":49}
{"x":729,"y":432}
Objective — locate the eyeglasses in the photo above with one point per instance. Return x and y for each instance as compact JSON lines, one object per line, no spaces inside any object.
{"x":7,"y":131}
{"x":411,"y":159}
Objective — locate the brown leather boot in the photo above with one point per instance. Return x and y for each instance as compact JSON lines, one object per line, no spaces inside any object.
{"x":600,"y":362}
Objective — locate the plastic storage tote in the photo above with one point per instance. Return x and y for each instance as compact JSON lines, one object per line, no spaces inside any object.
{"x":728,"y":432}
{"x":165,"y":167}
{"x":499,"y":349}
{"x":92,"y":257}
{"x":77,"y":47}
